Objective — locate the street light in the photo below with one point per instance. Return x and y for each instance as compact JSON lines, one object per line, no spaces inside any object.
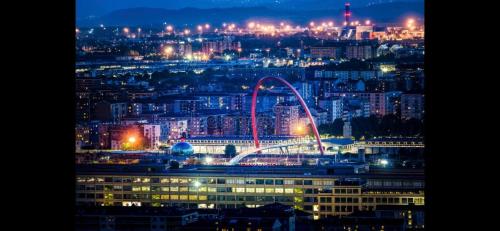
{"x":131,"y":139}
{"x":196,"y":184}
{"x":208,"y":160}
{"x":239,"y":52}
{"x":168,"y":51}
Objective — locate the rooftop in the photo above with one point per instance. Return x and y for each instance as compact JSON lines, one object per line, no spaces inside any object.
{"x":340,"y":171}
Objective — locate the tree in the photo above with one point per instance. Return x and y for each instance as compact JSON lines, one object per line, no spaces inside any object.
{"x":334,"y":129}
{"x":174,"y":165}
{"x":230,"y":151}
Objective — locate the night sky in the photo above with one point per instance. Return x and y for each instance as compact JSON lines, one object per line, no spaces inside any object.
{"x":86,"y":8}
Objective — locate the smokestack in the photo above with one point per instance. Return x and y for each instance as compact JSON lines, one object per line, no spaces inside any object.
{"x":347,"y":13}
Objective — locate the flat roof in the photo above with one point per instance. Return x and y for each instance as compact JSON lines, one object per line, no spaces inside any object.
{"x":339,"y":171}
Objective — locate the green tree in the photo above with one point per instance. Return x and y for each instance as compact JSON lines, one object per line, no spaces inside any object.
{"x":334,"y":129}
{"x":230,"y":151}
{"x":174,"y":164}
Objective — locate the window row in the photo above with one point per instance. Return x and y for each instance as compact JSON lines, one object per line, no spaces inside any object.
{"x":187,"y":189}
{"x":203,"y":181}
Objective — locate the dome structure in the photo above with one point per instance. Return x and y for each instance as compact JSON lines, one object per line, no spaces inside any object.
{"x":182,"y":148}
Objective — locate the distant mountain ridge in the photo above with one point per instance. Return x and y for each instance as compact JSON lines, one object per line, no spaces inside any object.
{"x":381,"y":13}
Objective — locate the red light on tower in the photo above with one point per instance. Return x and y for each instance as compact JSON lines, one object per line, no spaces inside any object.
{"x":347,"y":13}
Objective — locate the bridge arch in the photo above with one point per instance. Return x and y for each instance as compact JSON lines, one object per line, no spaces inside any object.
{"x":297,"y":95}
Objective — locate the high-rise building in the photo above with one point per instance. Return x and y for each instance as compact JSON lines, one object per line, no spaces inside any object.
{"x":334,"y":107}
{"x":360,"y":52}
{"x":215,"y":124}
{"x":347,"y":130}
{"x":110,"y":111}
{"x":306,"y":92}
{"x":210,"y":47}
{"x":172,"y":128}
{"x":237,"y":125}
{"x":324,"y":52}
{"x":287,"y":116}
{"x":151,"y":133}
{"x":188,"y":106}
{"x":377,"y":102}
{"x":197,"y":125}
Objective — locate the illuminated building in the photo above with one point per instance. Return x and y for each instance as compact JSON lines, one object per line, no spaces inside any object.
{"x":210,"y":47}
{"x":360,"y":52}
{"x":287,"y":116}
{"x":324,"y":52}
{"x":346,"y":75}
{"x":364,"y":32}
{"x":347,"y":130}
{"x":151,"y":133}
{"x":110,"y":111}
{"x":305,"y":90}
{"x":82,"y":106}
{"x":134,"y":109}
{"x":215,"y":124}
{"x":237,"y":125}
{"x":377,"y":102}
{"x":317,"y":190}
{"x":173,"y":128}
{"x":188,"y":106}
{"x":184,"y":125}
{"x":334,"y":107}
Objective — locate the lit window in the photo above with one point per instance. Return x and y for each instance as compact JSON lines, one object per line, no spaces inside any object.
{"x":259,"y":190}
{"x":183,"y":197}
{"x":289,"y":190}
{"x":269,"y":190}
{"x":250,"y":190}
{"x":279,"y":190}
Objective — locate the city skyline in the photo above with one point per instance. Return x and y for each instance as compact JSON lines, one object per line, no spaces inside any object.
{"x":246,"y":123}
